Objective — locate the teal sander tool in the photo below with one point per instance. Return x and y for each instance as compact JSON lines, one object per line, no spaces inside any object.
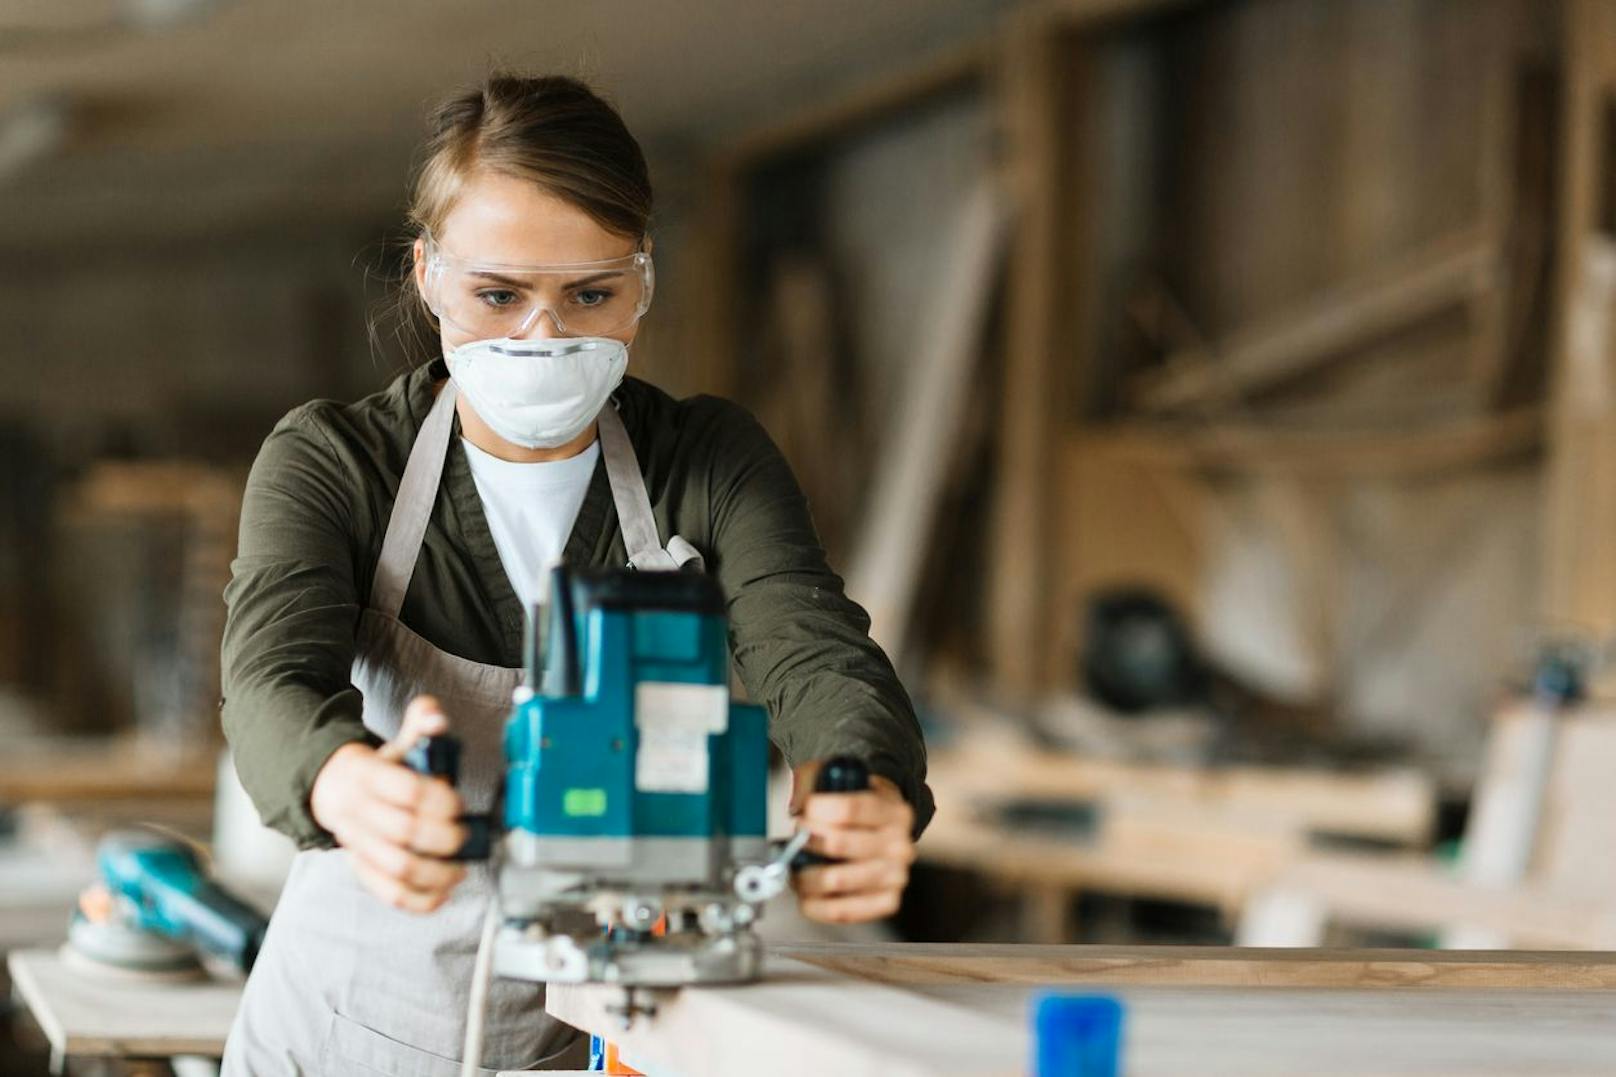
{"x":154,"y":911}
{"x":630,"y":844}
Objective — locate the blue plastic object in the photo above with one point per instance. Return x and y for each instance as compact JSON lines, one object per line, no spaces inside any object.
{"x":1077,"y":1036}
{"x":164,"y":885}
{"x":571,"y":753}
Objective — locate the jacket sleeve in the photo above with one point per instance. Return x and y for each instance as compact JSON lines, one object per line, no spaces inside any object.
{"x":802,"y":648}
{"x":292,"y":609}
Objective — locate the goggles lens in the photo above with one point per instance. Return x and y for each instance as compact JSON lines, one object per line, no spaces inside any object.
{"x":489,"y":301}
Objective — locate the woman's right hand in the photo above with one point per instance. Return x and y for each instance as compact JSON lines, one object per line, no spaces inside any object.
{"x":394,"y":822}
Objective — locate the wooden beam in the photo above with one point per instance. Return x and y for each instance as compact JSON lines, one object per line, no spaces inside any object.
{"x":1466,"y":443}
{"x":1580,"y":504}
{"x":1032,"y":72}
{"x":1455,"y":271}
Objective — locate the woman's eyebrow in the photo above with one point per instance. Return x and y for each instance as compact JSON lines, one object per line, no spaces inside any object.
{"x":517,"y":282}
{"x":593,"y":277}
{"x":498,"y":278}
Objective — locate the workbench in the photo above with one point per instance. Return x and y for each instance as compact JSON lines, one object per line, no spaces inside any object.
{"x":1197,"y":834}
{"x":113,"y":1016}
{"x":926,"y":1010}
{"x":963,"y":1009}
{"x":121,"y":1017}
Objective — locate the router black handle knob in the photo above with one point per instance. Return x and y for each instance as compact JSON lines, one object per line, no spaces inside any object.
{"x":439,"y":757}
{"x":838,"y":774}
{"x":843,"y":774}
{"x":436,"y":757}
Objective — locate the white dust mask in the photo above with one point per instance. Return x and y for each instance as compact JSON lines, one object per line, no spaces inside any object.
{"x":541,"y":393}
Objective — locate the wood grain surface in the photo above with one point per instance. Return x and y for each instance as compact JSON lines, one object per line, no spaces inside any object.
{"x":113,"y":1016}
{"x":966,"y":1010}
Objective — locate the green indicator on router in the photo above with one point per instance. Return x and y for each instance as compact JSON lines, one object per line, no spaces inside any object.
{"x":584,"y":802}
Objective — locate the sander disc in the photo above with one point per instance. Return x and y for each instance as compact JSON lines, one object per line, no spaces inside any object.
{"x":115,"y":948}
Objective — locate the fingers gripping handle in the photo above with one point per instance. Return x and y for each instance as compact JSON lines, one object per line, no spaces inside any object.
{"x":435,"y":757}
{"x":839,"y":774}
{"x":439,"y":757}
{"x":843,"y":774}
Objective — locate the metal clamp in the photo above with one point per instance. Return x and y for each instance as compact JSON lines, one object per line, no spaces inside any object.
{"x":757,"y":883}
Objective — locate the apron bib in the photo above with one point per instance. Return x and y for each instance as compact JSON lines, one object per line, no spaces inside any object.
{"x":346,"y":984}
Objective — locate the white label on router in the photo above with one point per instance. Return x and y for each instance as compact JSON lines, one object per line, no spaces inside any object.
{"x":674,"y":722}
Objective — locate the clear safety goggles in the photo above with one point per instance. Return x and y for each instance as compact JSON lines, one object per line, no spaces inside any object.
{"x":489,"y":300}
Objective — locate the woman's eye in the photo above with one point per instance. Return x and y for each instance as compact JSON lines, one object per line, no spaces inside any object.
{"x":498,"y":297}
{"x":591,"y":297}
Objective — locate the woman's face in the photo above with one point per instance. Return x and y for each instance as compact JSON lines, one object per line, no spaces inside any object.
{"x":513,"y":222}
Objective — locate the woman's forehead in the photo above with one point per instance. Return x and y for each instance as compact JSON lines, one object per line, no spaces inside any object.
{"x":498,"y":218}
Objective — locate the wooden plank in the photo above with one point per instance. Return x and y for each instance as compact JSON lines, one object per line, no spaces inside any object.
{"x":1580,"y":524}
{"x":1260,"y":1033}
{"x":1453,"y":271}
{"x":909,"y":480}
{"x":827,"y":1019}
{"x":1033,"y":67}
{"x":908,"y":964}
{"x":1206,"y":864}
{"x":1466,"y":443}
{"x":1201,"y":835}
{"x":1396,"y":804}
{"x":801,"y":1020}
{"x":108,"y":1016}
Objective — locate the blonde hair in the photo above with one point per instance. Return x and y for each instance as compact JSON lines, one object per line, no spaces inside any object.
{"x":552,"y":130}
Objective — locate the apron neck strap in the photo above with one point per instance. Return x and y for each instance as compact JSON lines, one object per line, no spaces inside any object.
{"x":412,"y":507}
{"x":634,"y":517}
{"x":418,"y":491}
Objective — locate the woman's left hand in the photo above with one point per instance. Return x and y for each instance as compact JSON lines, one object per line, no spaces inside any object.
{"x":870,"y":833}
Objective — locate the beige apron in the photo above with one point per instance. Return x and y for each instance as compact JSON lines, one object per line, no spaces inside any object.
{"x":345,"y":984}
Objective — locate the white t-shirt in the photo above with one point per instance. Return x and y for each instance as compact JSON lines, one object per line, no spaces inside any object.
{"x":531,"y":509}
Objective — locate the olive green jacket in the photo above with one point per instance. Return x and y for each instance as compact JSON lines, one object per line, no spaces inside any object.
{"x":316,"y":507}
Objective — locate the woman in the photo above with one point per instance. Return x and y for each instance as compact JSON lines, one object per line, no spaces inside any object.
{"x":390,"y":546}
